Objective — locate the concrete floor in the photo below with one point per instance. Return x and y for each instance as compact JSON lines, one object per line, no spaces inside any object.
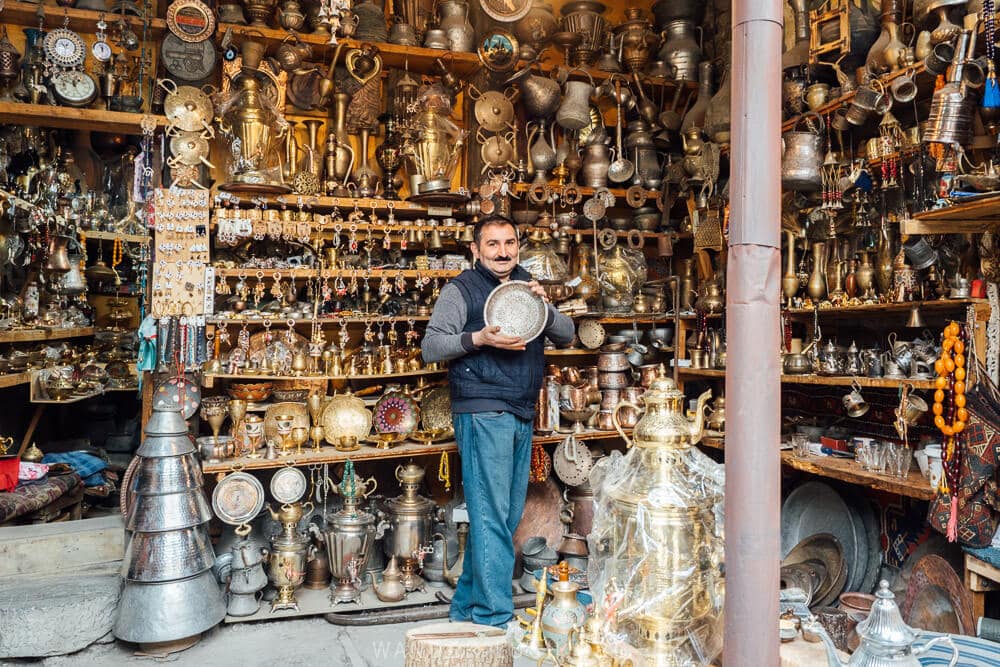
{"x":288,"y":643}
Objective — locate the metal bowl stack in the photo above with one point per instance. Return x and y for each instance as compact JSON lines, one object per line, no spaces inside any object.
{"x":170,"y":593}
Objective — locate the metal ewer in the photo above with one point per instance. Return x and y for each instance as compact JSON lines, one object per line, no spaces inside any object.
{"x":170,"y":593}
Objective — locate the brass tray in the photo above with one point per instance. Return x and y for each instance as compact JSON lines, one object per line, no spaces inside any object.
{"x":296,"y":410}
{"x":435,"y":409}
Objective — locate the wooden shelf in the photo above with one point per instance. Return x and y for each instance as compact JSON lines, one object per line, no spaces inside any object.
{"x":978,"y":215}
{"x":80,"y":20}
{"x":111,"y":236}
{"x":620,"y":233}
{"x":619,"y":193}
{"x":15,"y":379}
{"x":45,"y":115}
{"x":327,"y":454}
{"x":634,"y":318}
{"x":337,"y":273}
{"x":291,"y":201}
{"x":840,"y":381}
{"x":32,"y":335}
{"x":913,"y":485}
{"x":325,"y":320}
{"x":208,"y":380}
{"x":882,"y":308}
{"x":586,"y":435}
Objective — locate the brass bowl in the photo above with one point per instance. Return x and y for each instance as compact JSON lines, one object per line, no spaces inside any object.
{"x":385,"y":440}
{"x":430,"y":436}
{"x":251,"y":391}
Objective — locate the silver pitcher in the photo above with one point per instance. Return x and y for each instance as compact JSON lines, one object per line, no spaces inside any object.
{"x":681,"y":50}
{"x":574,"y":111}
{"x":886,"y":641}
{"x":802,"y":157}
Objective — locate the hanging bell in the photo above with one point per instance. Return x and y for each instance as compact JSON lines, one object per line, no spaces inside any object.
{"x":467,"y":234}
{"x":411,"y":235}
{"x":435,"y":241}
{"x":916,"y":320}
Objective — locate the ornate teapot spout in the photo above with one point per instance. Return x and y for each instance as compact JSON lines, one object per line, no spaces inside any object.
{"x":451,"y":574}
{"x":698,"y":427}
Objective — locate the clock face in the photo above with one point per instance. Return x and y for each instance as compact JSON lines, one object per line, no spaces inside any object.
{"x":74,"y":88}
{"x":65,"y":48}
{"x":101,"y":51}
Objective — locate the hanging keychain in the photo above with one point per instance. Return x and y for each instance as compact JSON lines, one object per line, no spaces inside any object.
{"x":444,"y":471}
{"x":991,"y":91}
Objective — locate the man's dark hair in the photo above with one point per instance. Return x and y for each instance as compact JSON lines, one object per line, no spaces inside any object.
{"x":482,"y":223}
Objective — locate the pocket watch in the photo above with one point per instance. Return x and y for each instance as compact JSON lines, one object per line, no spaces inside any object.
{"x":73,"y":87}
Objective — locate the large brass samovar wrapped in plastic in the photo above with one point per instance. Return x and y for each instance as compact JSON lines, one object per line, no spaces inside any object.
{"x":656,"y":546}
{"x":253,"y":128}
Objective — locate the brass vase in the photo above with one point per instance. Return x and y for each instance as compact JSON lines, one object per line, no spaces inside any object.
{"x":883,"y":261}
{"x":259,"y":11}
{"x":790,"y":281}
{"x":816,"y":287}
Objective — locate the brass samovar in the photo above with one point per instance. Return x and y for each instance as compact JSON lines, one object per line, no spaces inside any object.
{"x":253,"y":128}
{"x":656,"y":544}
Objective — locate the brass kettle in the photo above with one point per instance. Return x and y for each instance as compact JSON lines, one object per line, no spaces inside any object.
{"x":663,"y":422}
{"x":391,"y":588}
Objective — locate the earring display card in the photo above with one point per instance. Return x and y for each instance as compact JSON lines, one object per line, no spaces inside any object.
{"x":181,"y":254}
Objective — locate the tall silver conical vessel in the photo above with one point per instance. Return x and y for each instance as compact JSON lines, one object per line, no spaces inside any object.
{"x":170,"y":592}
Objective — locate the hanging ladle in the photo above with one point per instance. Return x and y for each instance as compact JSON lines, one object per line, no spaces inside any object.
{"x":622,"y":168}
{"x":671,"y":118}
{"x":646,"y":107}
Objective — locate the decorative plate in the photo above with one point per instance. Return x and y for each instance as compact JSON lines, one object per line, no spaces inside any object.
{"x":238,"y":498}
{"x":506,"y":11}
{"x":191,"y":20}
{"x":936,"y":599}
{"x":178,"y":391}
{"x":396,"y":413}
{"x":591,"y":334}
{"x":188,"y":61}
{"x":516,"y":310}
{"x":435,"y":409}
{"x":288,"y":485}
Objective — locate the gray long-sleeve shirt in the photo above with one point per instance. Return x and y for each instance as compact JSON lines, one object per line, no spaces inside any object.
{"x":445,"y":339}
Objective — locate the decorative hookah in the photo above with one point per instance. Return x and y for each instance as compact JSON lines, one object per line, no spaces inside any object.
{"x":349,"y":537}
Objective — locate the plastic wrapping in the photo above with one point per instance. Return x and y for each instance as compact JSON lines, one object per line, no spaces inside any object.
{"x":255,"y":130}
{"x":656,"y":554}
{"x":540,"y":259}
{"x":622,"y":273}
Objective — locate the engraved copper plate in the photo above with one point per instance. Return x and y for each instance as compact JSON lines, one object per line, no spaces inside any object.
{"x":238,"y":498}
{"x":516,"y":310}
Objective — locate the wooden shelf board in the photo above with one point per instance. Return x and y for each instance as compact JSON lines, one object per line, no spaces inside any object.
{"x":15,"y":379}
{"x":317,"y":202}
{"x":634,"y":318}
{"x":586,"y":435}
{"x":327,"y":454}
{"x":80,"y":20}
{"x":323,"y":321}
{"x":44,"y":115}
{"x":620,"y":233}
{"x":31,"y":335}
{"x":846,"y":470}
{"x":882,"y":308}
{"x":981,"y":208}
{"x":208,"y":380}
{"x":335,"y":273}
{"x":314,"y":602}
{"x":111,"y":236}
{"x":844,"y":381}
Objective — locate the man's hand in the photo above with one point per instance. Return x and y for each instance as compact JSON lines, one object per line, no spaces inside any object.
{"x":491,"y":336}
{"x":538,"y":291}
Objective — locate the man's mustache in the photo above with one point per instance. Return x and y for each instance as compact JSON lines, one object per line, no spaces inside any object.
{"x":501,"y":259}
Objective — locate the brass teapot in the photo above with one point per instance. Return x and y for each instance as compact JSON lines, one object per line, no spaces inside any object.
{"x":663,"y":421}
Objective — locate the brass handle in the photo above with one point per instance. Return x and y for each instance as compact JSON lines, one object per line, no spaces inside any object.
{"x":617,"y":423}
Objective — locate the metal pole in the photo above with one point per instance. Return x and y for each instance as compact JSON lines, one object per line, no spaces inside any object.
{"x":753,"y":374}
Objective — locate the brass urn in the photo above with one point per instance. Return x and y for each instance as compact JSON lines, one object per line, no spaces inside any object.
{"x":657,"y":542}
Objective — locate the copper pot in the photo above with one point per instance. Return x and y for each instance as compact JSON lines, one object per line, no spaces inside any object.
{"x":610,"y":398}
{"x":606,"y":420}
{"x":613,"y":380}
{"x":647,"y":373}
{"x":612,"y":362}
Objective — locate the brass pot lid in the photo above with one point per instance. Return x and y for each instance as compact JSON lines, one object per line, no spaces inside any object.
{"x":238,"y":498}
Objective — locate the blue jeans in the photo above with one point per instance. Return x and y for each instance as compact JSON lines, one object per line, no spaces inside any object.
{"x":495,"y":449}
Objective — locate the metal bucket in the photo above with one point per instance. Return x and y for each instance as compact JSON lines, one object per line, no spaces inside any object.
{"x":166,"y":422}
{"x":170,"y":474}
{"x":162,"y":446}
{"x":175,"y":554}
{"x":162,"y":612}
{"x":168,"y":512}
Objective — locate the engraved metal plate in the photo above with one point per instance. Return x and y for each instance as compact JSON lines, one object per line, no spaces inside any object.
{"x":506,"y":11}
{"x":435,"y":409}
{"x":238,"y":498}
{"x":188,"y":61}
{"x":516,"y":310}
{"x":591,"y":334}
{"x":288,"y":485}
{"x":190,"y":20}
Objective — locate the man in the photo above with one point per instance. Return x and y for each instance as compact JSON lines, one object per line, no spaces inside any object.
{"x":495,"y":381}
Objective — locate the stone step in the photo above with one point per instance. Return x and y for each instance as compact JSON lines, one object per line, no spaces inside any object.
{"x":95,"y":545}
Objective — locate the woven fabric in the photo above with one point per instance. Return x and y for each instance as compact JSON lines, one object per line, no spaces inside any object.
{"x":32,"y":496}
{"x":87,"y":466}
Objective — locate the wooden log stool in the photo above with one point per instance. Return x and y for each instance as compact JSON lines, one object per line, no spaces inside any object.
{"x":458,"y":645}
